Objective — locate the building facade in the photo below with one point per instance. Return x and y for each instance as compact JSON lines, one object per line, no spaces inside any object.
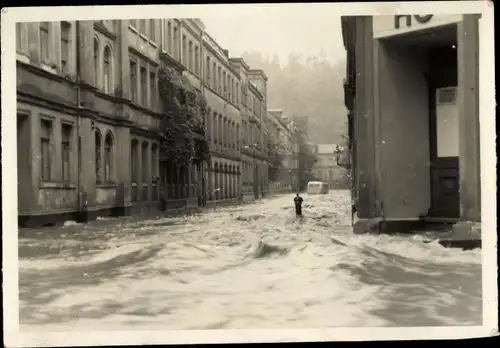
{"x":412,"y":92}
{"x":89,"y":111}
{"x":280,"y":132}
{"x":328,"y":168}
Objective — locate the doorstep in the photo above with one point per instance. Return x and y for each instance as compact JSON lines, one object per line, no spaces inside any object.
{"x":465,"y":235}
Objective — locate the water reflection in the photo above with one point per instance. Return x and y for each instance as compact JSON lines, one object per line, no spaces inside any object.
{"x":253,"y":266}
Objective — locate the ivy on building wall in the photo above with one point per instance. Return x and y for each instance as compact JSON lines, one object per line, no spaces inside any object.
{"x":182,"y":126}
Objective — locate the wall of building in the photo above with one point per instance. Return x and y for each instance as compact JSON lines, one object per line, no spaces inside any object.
{"x":404,"y":130}
{"x":115,"y":105}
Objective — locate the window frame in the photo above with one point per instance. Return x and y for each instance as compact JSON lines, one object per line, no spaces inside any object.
{"x":66,"y":149}
{"x":144,"y":85}
{"x":98,"y":156}
{"x":153,"y":93}
{"x":44,"y":48}
{"x":108,"y":84}
{"x":97,"y":61}
{"x":46,"y":161}
{"x":108,"y":157}
{"x":133,"y":76}
{"x":66,"y":27}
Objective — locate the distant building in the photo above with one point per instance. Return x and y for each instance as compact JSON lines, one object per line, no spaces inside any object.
{"x":280,"y":130}
{"x":327,"y":169}
{"x":412,"y":91}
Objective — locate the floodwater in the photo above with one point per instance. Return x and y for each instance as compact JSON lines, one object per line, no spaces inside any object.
{"x":248,"y":267}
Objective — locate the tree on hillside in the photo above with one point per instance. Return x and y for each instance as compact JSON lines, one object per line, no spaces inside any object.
{"x":306,"y":157}
{"x":309,"y":85}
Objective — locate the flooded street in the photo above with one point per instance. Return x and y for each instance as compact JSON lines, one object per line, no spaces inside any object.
{"x":251,"y":266}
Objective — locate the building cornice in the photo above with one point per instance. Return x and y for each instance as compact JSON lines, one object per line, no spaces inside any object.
{"x":258,"y":72}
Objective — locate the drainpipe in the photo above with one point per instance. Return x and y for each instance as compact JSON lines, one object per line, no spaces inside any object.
{"x":202,"y":88}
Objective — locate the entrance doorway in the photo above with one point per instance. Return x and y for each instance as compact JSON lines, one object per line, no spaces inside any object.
{"x":443,"y":127}
{"x":23,"y":163}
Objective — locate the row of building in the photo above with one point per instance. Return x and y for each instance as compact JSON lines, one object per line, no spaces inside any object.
{"x":89,"y":110}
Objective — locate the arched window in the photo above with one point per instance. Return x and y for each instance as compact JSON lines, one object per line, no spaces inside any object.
{"x":108,"y":80}
{"x":108,"y":152}
{"x":96,"y":62}
{"x":98,"y":143}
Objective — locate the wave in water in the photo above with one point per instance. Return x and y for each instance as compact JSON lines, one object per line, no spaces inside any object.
{"x":256,"y":267}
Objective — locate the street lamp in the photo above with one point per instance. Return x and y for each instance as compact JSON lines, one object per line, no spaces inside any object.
{"x":338,"y":150}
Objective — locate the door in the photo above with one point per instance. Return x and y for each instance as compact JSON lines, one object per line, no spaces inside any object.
{"x":444,"y":138}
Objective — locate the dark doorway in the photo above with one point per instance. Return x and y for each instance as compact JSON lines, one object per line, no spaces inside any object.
{"x":444,"y":160}
{"x":24,"y":163}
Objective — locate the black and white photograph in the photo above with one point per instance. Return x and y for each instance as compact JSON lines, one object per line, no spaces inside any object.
{"x":248,"y":173}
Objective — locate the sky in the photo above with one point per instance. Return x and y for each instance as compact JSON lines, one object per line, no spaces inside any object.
{"x":278,"y":33}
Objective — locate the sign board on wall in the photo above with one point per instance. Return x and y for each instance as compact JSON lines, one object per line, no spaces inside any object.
{"x":385,"y":26}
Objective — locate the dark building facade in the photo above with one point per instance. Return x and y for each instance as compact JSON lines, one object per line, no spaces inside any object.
{"x":412,"y":92}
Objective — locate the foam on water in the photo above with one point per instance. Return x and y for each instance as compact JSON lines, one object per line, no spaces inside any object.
{"x":254,"y":266}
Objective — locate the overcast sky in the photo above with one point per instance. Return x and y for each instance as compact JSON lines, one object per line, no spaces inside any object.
{"x":308,"y":33}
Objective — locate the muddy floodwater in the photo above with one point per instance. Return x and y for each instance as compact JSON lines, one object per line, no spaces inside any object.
{"x":247,"y":267}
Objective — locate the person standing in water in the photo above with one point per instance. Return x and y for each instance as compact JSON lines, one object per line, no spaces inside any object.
{"x":298,"y":205}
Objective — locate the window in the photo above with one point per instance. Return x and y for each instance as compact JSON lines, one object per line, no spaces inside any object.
{"x":176,"y":44}
{"x":152,"y":30}
{"x":214,"y":71}
{"x":144,"y":86}
{"x":237,"y":94}
{"x":190,"y":56}
{"x":184,"y":50}
{"x":44,"y":42}
{"x":108,"y":151}
{"x":108,"y":80}
{"x":134,"y":168}
{"x":65,"y":46}
{"x":169,"y":37}
{"x":207,"y":81}
{"x":20,"y":37}
{"x":133,"y":81}
{"x":144,"y":165}
{"x":152,"y":88}
{"x":219,"y":85}
{"x":46,"y":140}
{"x":142,"y":27}
{"x":133,"y":22}
{"x":96,"y":62}
{"x":66,"y":151}
{"x":224,"y":89}
{"x":196,"y":61}
{"x":154,"y":166}
{"x":98,"y":143}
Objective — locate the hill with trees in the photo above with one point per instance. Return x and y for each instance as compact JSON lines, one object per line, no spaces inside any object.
{"x":307,"y":86}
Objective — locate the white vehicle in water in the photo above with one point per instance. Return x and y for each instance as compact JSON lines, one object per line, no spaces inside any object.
{"x":317,"y":187}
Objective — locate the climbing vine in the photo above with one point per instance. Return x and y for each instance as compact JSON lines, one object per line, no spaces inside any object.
{"x":182,"y":125}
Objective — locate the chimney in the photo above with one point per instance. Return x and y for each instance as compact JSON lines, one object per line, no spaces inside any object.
{"x":226,"y":52}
